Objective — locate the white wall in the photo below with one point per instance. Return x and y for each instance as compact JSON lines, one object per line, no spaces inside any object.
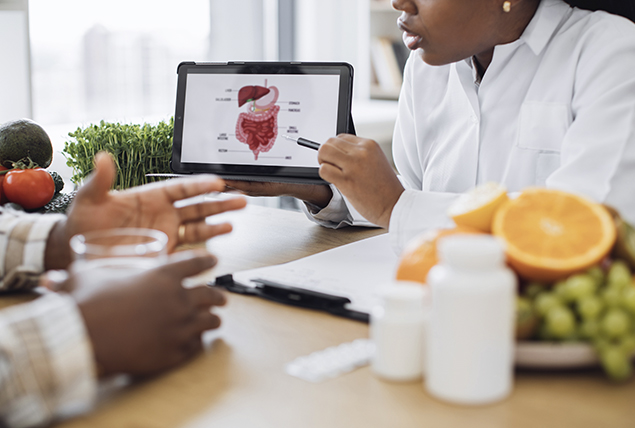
{"x":236,"y":36}
{"x":15,"y":63}
{"x":332,"y":30}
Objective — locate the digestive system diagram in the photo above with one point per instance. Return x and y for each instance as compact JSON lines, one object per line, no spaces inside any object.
{"x":258,"y":126}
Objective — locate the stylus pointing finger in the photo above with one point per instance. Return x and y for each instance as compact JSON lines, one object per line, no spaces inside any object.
{"x":304,"y":142}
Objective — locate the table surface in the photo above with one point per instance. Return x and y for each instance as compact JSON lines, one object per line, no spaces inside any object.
{"x":239,"y":381}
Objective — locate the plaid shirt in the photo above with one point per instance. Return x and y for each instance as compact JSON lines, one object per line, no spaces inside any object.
{"x":46,"y":363}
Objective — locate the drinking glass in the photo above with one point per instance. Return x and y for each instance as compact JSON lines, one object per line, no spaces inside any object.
{"x":127,"y":250}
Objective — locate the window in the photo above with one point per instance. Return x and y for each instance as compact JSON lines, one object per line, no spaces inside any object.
{"x":15,"y":85}
{"x":111,"y":59}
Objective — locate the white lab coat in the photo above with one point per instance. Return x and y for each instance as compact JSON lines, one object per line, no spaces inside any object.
{"x":555,"y":108}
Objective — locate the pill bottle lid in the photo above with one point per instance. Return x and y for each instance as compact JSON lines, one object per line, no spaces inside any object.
{"x":474,"y":252}
{"x":404,"y":297}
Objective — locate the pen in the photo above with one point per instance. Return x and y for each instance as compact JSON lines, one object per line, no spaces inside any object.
{"x":304,"y":142}
{"x":293,"y":296}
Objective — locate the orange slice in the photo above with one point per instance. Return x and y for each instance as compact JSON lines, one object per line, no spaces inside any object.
{"x":551,"y":234}
{"x":476,"y":208}
{"x":421,"y":253}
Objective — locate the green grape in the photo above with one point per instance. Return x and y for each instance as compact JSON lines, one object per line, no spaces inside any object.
{"x":597,"y":274}
{"x":560,"y":322}
{"x":526,"y":319}
{"x":628,"y":299}
{"x":619,"y":275}
{"x":616,"y":363}
{"x":612,"y":297}
{"x":601,"y":343}
{"x":615,"y":323}
{"x":561,"y":291}
{"x":627,"y":344}
{"x":575,"y":336}
{"x":590,"y":307}
{"x":589,"y":329}
{"x":544,"y":333}
{"x":545,"y":301}
{"x":579,"y":286}
{"x":534,"y":288}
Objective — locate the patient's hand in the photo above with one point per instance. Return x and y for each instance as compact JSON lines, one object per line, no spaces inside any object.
{"x":149,"y":206}
{"x":147,"y":322}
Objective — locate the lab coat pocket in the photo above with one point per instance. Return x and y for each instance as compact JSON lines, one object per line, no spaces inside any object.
{"x":542,"y":126}
{"x":546,"y":164}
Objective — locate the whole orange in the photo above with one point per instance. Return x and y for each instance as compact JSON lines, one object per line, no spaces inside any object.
{"x":421,"y":253}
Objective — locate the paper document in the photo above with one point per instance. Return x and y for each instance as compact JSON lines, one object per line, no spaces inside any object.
{"x":358,"y":271}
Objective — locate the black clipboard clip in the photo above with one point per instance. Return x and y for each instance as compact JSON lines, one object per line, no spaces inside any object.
{"x":293,"y":296}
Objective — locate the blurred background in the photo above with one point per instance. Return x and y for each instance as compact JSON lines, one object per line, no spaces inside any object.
{"x":70,"y":63}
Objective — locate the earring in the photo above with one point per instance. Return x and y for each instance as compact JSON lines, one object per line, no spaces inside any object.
{"x":507,"y":6}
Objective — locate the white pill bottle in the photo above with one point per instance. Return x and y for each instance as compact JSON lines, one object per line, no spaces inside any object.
{"x":470,"y":337}
{"x":397,"y":329}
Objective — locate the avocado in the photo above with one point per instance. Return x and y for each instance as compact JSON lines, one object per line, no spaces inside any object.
{"x":24,"y":138}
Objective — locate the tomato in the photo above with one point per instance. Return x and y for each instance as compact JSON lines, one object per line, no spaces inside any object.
{"x":29,"y":188}
{"x":3,"y":199}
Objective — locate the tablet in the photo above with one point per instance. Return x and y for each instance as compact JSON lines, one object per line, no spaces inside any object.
{"x":231,"y":118}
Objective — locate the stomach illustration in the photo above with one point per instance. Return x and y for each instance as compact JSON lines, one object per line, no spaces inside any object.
{"x":258,"y":126}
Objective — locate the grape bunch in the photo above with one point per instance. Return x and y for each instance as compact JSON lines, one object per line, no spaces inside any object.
{"x":597,"y":306}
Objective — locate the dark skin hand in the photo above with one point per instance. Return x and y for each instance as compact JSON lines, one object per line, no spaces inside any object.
{"x":361,"y":171}
{"x":350,"y":163}
{"x":149,"y":206}
{"x":147,"y":322}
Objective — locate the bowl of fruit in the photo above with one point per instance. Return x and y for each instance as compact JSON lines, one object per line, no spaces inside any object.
{"x":584,"y":320}
{"x":575,"y":261}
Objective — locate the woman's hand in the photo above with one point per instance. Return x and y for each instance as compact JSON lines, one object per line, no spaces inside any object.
{"x":316,"y":194}
{"x":360,"y":170}
{"x":149,"y":206}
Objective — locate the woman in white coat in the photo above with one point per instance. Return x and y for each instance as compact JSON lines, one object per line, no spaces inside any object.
{"x":520,"y":92}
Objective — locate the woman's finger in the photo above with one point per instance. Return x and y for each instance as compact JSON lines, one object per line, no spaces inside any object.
{"x":331,"y":173}
{"x":332,"y":155}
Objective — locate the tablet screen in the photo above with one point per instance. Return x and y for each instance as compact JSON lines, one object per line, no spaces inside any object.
{"x":232,"y":119}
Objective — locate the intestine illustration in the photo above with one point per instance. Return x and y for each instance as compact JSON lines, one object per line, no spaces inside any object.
{"x":258,"y":126}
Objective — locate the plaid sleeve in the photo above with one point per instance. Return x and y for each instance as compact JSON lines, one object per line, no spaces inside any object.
{"x":46,"y":362}
{"x":22,"y":245}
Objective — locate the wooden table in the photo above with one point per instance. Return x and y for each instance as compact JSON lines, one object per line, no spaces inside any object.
{"x":240,"y":381}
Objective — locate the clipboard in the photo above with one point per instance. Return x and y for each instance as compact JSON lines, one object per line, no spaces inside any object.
{"x":345,"y":281}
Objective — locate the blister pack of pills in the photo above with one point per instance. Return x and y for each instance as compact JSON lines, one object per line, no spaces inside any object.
{"x":332,"y":362}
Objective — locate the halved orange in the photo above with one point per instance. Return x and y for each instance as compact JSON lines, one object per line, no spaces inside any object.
{"x":421,"y":253}
{"x":476,"y":208}
{"x":551,"y":234}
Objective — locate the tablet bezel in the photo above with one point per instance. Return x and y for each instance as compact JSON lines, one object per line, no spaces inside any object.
{"x":308,"y":175}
